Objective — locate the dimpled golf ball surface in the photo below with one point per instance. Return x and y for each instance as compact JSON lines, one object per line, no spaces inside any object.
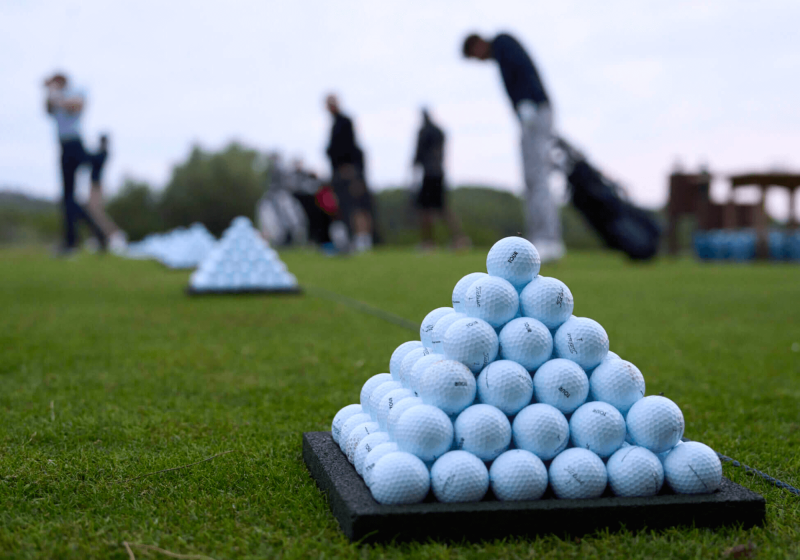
{"x":541,"y":429}
{"x":397,"y":357}
{"x":582,"y":341}
{"x":398,"y":410}
{"x":577,"y":474}
{"x":598,"y":427}
{"x":547,"y":300}
{"x":562,"y":384}
{"x":525,"y":341}
{"x":460,"y":290}
{"x":514,"y":259}
{"x":341,"y":417}
{"x":400,"y":478}
{"x":373,"y":457}
{"x":518,"y":475}
{"x":366,"y":445}
{"x":371,"y":384}
{"x":492,"y":299}
{"x":472,"y":342}
{"x":424,"y":431}
{"x":426,"y":328}
{"x":348,"y":426}
{"x":378,"y":393}
{"x":483,"y":430}
{"x":437,"y":335}
{"x":458,"y":476}
{"x":356,"y":435}
{"x":506,"y":385}
{"x":448,"y":385}
{"x":693,"y":468}
{"x":656,"y":423}
{"x":634,"y":471}
{"x":388,"y":402}
{"x":416,"y":374}
{"x":618,"y":383}
{"x":409,"y":361}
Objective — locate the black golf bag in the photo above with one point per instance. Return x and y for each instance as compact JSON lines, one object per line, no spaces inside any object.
{"x":622,"y":225}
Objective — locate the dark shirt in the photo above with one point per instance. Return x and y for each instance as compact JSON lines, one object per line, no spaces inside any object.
{"x":342,"y":148}
{"x":519,"y":73}
{"x":430,"y":149}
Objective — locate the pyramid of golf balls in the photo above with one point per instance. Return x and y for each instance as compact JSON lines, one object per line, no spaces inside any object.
{"x":242,"y":261}
{"x":180,"y":248}
{"x":508,"y":390}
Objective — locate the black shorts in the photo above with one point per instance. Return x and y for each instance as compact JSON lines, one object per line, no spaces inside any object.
{"x":431,"y":194}
{"x":352,"y":192}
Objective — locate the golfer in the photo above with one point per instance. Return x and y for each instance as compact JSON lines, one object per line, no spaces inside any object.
{"x":65,"y":104}
{"x":431,"y":199}
{"x":532,"y":107}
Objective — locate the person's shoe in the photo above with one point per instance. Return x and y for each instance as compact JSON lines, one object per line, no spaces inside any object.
{"x":362,"y":243}
{"x":118,"y":242}
{"x":550,"y":251}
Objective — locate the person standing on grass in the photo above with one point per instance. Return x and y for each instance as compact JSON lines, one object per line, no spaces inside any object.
{"x":532,"y":106}
{"x":431,"y":199}
{"x":65,"y":104}
{"x":348,"y":178}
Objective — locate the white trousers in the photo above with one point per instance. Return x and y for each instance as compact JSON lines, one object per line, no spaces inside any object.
{"x":543,"y":221}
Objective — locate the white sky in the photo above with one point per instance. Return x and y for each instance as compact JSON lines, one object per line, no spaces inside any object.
{"x":636,"y":84}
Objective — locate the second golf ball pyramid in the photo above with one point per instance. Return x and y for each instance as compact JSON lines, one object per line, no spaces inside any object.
{"x":544,"y":405}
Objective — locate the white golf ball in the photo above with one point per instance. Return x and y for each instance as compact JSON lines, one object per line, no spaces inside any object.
{"x":414,"y":377}
{"x":598,"y":427}
{"x":426,"y":328}
{"x":400,"y":478}
{"x":518,"y":475}
{"x":525,"y":341}
{"x":373,"y":457}
{"x":448,"y":385}
{"x":348,"y":426}
{"x":483,"y":430}
{"x":398,"y":410}
{"x":562,"y":384}
{"x":371,"y":384}
{"x":388,"y":402}
{"x":583,"y":341}
{"x":577,"y":473}
{"x":409,"y":361}
{"x":472,"y":342}
{"x":693,"y":468}
{"x":341,"y":417}
{"x":458,"y":476}
{"x":634,"y":471}
{"x":547,"y":300}
{"x":541,"y":429}
{"x":617,"y":382}
{"x":492,"y":299}
{"x":378,"y":394}
{"x":356,"y":435}
{"x":397,"y":357}
{"x":506,"y":385}
{"x":366,"y":445}
{"x":514,"y":259}
{"x":437,"y":335}
{"x":656,"y":423}
{"x":460,"y":290}
{"x":424,"y":431}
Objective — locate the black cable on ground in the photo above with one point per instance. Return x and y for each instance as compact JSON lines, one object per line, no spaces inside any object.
{"x":405,"y":323}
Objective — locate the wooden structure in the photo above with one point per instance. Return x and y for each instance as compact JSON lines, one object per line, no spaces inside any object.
{"x":689,"y":195}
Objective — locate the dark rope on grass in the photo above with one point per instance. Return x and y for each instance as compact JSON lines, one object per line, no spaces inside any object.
{"x":177,"y":468}
{"x":769,"y":479}
{"x":363,"y":307}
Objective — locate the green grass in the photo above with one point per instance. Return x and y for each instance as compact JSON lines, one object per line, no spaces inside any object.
{"x":108,"y":372}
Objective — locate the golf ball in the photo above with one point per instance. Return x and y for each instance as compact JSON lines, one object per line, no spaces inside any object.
{"x":617,"y":382}
{"x":458,"y":476}
{"x":693,"y":468}
{"x":525,"y":341}
{"x":398,"y":410}
{"x":583,"y":341}
{"x":541,"y":429}
{"x":341,"y":417}
{"x":409,"y":361}
{"x":437,"y":335}
{"x":506,"y":385}
{"x":400,"y":478}
{"x":460,"y":290}
{"x":472,"y":342}
{"x":514,"y":259}
{"x":562,"y":384}
{"x":429,"y":322}
{"x":547,"y":300}
{"x":397,"y":357}
{"x":366,"y":445}
{"x":347,"y":427}
{"x":378,"y":394}
{"x":448,"y":385}
{"x":518,"y":475}
{"x":656,"y":423}
{"x":577,"y":474}
{"x":483,"y":430}
{"x":388,"y":402}
{"x":417,"y":373}
{"x":424,"y":431}
{"x":356,"y":435}
{"x":492,"y":299}
{"x":634,"y":471}
{"x":374,"y":456}
{"x":372,"y":384}
{"x":598,"y":427}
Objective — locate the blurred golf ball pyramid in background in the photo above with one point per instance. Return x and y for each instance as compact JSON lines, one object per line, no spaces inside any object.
{"x":740,"y":245}
{"x":242,"y":262}
{"x":181,"y":248}
{"x":544,"y":404}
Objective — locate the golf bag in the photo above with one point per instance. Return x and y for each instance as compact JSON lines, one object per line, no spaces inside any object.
{"x":282,"y":219}
{"x":602,"y":202}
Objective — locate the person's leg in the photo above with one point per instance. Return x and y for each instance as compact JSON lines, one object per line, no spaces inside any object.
{"x":70,"y":161}
{"x":79,"y":157}
{"x":543,"y":221}
{"x":96,"y":207}
{"x":426,"y":220}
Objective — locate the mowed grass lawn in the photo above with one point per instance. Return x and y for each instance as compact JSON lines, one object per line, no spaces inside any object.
{"x":108,"y":372}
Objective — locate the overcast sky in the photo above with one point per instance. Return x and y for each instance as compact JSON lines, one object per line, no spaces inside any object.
{"x":636,"y":84}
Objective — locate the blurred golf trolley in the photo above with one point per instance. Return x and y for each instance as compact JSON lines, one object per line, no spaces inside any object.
{"x":733,"y":230}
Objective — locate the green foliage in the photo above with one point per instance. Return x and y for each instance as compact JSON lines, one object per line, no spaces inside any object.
{"x":135,"y":209}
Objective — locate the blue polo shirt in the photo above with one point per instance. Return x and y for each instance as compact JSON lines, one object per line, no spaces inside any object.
{"x":519,"y":73}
